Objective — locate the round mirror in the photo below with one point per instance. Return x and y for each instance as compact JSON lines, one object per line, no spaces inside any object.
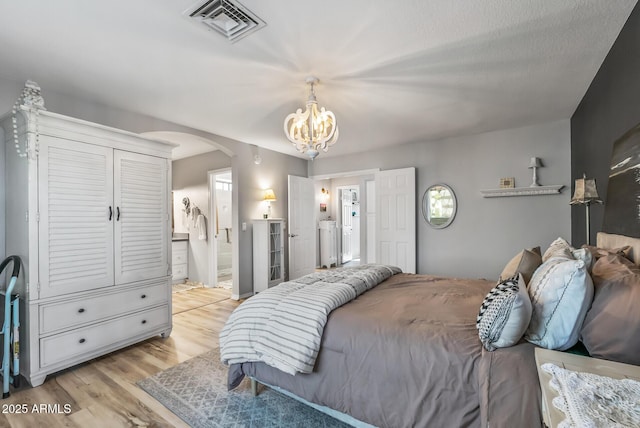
{"x":439,"y":206}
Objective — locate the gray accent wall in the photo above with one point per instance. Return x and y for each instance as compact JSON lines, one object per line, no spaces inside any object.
{"x":610,"y":107}
{"x":486,"y":232}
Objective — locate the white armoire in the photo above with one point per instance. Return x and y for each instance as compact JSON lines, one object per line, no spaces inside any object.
{"x":87,"y":211}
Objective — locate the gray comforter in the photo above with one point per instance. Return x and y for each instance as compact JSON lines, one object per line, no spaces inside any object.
{"x":407,"y":354}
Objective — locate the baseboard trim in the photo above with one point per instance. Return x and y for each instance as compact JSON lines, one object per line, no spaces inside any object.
{"x":242,"y":296}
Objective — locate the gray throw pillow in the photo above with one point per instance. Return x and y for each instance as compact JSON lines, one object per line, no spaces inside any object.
{"x":611,"y":329}
{"x":525,"y":262}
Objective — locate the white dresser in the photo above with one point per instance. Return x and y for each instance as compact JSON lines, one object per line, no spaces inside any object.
{"x":180,"y":260}
{"x":87,"y":212}
{"x":328,"y":243}
{"x":268,"y":253}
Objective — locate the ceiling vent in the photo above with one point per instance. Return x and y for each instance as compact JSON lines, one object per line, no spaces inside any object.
{"x":231,"y":19}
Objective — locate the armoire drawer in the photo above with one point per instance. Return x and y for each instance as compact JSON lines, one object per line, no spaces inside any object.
{"x":65,"y":346}
{"x":64,"y":315}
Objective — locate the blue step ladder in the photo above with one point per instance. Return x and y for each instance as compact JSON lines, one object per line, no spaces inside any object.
{"x":10,"y":329}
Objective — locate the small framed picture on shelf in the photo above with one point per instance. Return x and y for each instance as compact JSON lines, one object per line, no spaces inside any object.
{"x":507,"y":183}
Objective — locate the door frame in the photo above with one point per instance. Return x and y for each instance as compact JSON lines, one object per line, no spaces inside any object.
{"x":212,"y":247}
{"x":340,"y":222}
{"x":355,"y":173}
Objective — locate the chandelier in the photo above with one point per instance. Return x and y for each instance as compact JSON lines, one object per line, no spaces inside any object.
{"x":312,"y":130}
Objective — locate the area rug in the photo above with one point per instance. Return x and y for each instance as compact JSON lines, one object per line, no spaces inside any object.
{"x":185,"y":286}
{"x":196,"y":391}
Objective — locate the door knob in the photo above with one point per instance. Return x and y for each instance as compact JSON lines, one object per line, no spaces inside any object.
{"x":292,"y":235}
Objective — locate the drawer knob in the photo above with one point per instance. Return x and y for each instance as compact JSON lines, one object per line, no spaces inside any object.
{"x":82,"y":340}
{"x":144,"y":321}
{"x":144,"y":296}
{"x":81,"y":310}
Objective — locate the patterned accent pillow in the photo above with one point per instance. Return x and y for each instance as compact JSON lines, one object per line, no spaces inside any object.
{"x":561,"y":292}
{"x":504,"y":314}
{"x":558,"y":248}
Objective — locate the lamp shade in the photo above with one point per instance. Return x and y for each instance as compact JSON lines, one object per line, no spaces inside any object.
{"x":585,"y":192}
{"x":535,"y":163}
{"x":269,"y":195}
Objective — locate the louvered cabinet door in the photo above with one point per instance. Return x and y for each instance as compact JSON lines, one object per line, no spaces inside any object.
{"x":75,"y":187}
{"x":141,"y":227}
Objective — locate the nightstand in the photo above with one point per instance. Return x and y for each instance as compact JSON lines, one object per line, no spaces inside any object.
{"x":552,"y":416}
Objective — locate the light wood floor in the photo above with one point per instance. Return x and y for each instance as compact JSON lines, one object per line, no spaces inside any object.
{"x":103,"y":392}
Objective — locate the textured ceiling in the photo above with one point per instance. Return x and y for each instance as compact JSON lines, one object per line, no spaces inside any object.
{"x":392,"y":72}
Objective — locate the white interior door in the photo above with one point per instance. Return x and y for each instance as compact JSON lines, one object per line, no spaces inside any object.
{"x":371,"y":221}
{"x":395,"y":218}
{"x":302,"y":227}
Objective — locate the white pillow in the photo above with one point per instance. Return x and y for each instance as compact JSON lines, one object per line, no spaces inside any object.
{"x":558,"y":248}
{"x":561,"y":292}
{"x":585,"y":255}
{"x":505,"y":314}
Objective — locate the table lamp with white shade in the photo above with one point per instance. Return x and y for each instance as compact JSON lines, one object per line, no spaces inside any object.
{"x":586,"y":194}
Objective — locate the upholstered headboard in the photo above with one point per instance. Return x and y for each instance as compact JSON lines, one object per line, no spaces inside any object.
{"x":611,"y":241}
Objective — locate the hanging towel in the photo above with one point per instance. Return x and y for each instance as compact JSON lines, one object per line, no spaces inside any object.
{"x":195,"y":212}
{"x":201,"y":227}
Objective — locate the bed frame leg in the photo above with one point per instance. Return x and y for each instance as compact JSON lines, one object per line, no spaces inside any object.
{"x":254,"y":387}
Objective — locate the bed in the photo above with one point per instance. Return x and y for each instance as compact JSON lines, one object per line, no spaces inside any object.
{"x":406,"y":353}
{"x":411,"y":351}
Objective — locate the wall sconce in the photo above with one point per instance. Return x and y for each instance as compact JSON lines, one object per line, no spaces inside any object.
{"x":325,"y":193}
{"x":255,"y":151}
{"x":268,"y":196}
{"x":535,"y":164}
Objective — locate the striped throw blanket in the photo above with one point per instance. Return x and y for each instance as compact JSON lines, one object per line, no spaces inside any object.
{"x":283,"y":325}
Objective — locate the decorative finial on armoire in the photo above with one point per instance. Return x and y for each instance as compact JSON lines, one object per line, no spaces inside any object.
{"x":31,"y":98}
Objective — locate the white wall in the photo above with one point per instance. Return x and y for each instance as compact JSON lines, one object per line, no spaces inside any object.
{"x":190,"y":179}
{"x":323,"y":198}
{"x":249,"y":181}
{"x":246,"y":175}
{"x":486,"y":232}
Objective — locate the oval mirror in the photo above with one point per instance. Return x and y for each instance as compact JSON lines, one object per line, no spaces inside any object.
{"x":439,"y":206}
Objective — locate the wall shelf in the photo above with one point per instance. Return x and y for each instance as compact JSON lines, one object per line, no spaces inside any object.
{"x":522,"y":191}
